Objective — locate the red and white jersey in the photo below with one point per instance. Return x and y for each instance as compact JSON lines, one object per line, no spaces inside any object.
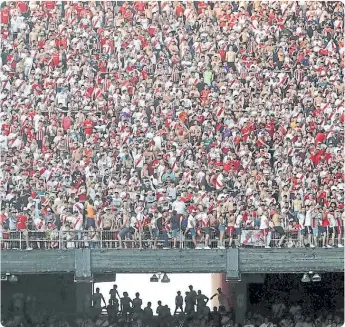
{"x":77,"y":222}
{"x":40,"y":224}
{"x":203,"y":219}
{"x":219,"y":182}
{"x":78,"y":207}
{"x":331,"y":218}
{"x":139,"y":160}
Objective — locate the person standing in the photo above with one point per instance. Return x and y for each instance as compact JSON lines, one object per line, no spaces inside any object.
{"x":264,"y":227}
{"x":178,"y":302}
{"x":114,"y":293}
{"x":97,"y":299}
{"x":124,"y":229}
{"x":278,"y":228}
{"x":221,"y":299}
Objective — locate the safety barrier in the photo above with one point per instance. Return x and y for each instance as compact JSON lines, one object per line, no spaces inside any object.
{"x":109,"y":239}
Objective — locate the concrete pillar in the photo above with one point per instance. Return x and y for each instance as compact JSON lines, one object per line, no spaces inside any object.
{"x":241,"y":290}
{"x":83,"y":296}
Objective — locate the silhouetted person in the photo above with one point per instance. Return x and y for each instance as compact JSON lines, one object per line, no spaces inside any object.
{"x":114,"y":293}
{"x":137,"y":303}
{"x":97,"y":299}
{"x":112,"y":310}
{"x":126,"y":304}
{"x":148,"y":315}
{"x":178,"y":302}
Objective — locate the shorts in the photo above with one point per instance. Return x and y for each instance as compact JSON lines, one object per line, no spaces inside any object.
{"x":155,"y":232}
{"x":340,"y":230}
{"x":221,"y":228}
{"x":279,"y":230}
{"x":90,"y":222}
{"x":174,"y":233}
{"x":321,"y":229}
{"x":316,"y":231}
{"x":332,"y":230}
{"x":206,"y":230}
{"x":308,"y":230}
{"x":238,"y":231}
{"x":124,"y":232}
{"x":265,"y":231}
{"x":231,"y":230}
{"x":193,"y":232}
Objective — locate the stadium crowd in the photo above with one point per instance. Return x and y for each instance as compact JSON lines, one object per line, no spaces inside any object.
{"x":191,"y":309}
{"x":157,"y":117}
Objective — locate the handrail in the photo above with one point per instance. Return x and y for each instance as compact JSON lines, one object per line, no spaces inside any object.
{"x":108,"y":239}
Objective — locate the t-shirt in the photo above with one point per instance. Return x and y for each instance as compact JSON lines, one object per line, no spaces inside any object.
{"x":21,"y":222}
{"x":180,"y":207}
{"x":90,"y":211}
{"x":191,"y":222}
{"x":88,"y":126}
{"x":308,"y":218}
{"x":264,"y":222}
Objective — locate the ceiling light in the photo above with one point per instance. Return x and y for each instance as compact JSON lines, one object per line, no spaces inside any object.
{"x":13,"y":279}
{"x":316,"y":278}
{"x":305,"y":278}
{"x":154,"y":279}
{"x":165,"y":279}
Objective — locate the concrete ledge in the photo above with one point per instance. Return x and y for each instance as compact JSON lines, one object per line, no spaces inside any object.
{"x":297,"y":260}
{"x":176,"y":261}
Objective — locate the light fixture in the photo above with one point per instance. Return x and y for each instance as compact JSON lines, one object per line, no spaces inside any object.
{"x":305,"y":278}
{"x":154,"y":279}
{"x":311,"y":277}
{"x":9,"y":278}
{"x":165,"y":279}
{"x":13,"y":279}
{"x":316,"y":278}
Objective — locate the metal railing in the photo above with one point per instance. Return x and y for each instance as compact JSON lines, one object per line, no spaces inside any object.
{"x":108,"y":239}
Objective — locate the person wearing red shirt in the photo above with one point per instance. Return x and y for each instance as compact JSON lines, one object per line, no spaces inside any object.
{"x":180,"y":10}
{"x":55,"y":58}
{"x":325,"y":230}
{"x":50,"y":5}
{"x":5,"y":14}
{"x":139,"y":6}
{"x":22,"y":221}
{"x":5,"y":129}
{"x":88,"y":126}
{"x":66,"y":122}
{"x":320,"y":137}
{"x":22,"y":6}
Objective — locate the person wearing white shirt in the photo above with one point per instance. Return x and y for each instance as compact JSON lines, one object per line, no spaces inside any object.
{"x":264,"y":227}
{"x":301,"y":220}
{"x":308,"y":230}
{"x":191,"y":226}
{"x":238,"y":223}
{"x":179,"y":206}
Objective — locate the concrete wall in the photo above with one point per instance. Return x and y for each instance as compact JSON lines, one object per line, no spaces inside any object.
{"x":197,"y":261}
{"x":55,"y":293}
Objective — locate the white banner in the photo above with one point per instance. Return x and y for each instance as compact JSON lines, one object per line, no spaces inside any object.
{"x":254,"y":237}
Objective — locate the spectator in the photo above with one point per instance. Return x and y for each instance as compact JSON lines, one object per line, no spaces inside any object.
{"x":217,"y":108}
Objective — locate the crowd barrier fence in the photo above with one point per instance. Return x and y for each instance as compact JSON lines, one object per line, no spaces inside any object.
{"x":108,"y":239}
